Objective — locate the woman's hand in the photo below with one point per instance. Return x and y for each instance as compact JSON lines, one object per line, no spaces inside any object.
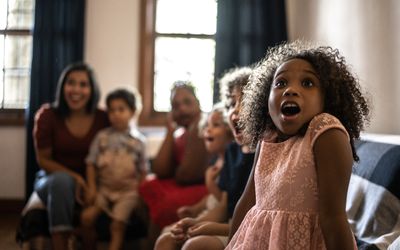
{"x":80,"y":189}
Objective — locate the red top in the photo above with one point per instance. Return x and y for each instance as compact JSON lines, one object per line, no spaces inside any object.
{"x":50,"y":131}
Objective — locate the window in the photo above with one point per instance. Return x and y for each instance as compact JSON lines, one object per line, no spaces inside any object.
{"x":16,"y":22}
{"x":177,"y":44}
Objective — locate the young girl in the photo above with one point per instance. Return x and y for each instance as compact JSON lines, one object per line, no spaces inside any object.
{"x":304,"y":109}
{"x":217,"y":135}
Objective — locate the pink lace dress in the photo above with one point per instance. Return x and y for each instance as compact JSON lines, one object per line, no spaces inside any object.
{"x":285,"y":215}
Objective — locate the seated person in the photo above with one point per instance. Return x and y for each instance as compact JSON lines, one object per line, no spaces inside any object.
{"x":180,"y":163}
{"x":115,"y":166}
{"x":217,"y":135}
{"x":210,"y":230}
{"x":62,"y":134}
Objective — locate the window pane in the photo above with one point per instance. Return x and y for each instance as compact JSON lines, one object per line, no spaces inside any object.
{"x":183,"y":59}
{"x":3,"y":14}
{"x":17,"y":64}
{"x":20,"y":14}
{"x":1,"y":70}
{"x":18,"y":51}
{"x":186,"y":16}
{"x":17,"y":88}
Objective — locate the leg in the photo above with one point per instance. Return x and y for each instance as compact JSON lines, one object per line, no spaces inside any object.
{"x":88,"y":220}
{"x":166,"y":242}
{"x":203,"y":242}
{"x":117,"y":230}
{"x":57,"y":191}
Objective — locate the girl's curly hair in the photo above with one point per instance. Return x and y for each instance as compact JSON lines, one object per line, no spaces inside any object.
{"x":341,"y":89}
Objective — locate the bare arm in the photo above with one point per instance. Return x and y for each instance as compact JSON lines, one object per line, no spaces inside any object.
{"x":163,"y":163}
{"x":246,"y":201}
{"x":333,"y":157}
{"x":194,"y":162}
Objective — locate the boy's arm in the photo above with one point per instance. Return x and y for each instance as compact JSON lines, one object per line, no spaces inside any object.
{"x":194,"y":210}
{"x":333,"y":158}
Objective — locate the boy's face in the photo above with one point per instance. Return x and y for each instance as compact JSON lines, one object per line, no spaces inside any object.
{"x":233,"y":114}
{"x":185,"y":107}
{"x":120,"y":114}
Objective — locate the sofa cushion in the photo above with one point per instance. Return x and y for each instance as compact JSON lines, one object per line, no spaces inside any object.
{"x":373,"y":200}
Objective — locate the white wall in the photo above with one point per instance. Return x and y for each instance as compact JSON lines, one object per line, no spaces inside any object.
{"x":366,"y":33}
{"x":112,"y":42}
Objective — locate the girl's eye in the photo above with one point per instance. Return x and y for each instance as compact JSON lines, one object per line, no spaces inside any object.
{"x":279,"y":83}
{"x":307,"y":83}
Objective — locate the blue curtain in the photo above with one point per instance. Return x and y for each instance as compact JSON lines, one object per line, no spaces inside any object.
{"x":245,"y":29}
{"x":57,"y":41}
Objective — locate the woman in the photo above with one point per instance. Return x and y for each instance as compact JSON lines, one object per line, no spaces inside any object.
{"x":62,"y":134}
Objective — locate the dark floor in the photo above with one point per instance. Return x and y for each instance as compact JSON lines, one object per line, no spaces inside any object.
{"x":8,"y":225}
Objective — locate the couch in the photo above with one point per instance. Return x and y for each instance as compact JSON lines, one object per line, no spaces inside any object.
{"x":373,"y":201}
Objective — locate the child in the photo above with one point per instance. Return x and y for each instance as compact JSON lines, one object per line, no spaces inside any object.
{"x":217,"y":135}
{"x":115,"y":166}
{"x":305,"y":109}
{"x":210,"y":231}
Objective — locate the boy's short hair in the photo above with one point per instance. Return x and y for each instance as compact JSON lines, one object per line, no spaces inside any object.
{"x":123,"y":94}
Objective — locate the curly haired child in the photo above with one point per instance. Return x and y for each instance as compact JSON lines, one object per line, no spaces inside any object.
{"x":303,"y":108}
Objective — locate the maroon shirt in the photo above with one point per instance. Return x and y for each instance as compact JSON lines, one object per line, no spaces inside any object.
{"x":50,"y":131}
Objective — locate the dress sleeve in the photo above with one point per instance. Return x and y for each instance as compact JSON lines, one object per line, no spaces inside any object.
{"x":322,"y":123}
{"x":43,"y":128}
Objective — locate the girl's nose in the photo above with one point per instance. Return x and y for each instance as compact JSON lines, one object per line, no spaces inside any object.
{"x":290,"y":91}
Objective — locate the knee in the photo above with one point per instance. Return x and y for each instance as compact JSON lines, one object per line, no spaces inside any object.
{"x":87,"y":218}
{"x":164,"y":241}
{"x":61,"y":182}
{"x":117,"y":226}
{"x":196,"y":243}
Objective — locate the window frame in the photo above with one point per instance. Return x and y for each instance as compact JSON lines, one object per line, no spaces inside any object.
{"x":149,"y":116}
{"x":13,"y":117}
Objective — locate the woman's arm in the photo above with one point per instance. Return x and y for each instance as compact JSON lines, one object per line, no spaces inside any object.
{"x":195,"y":159}
{"x":91,"y":183}
{"x":46,"y":162}
{"x":162,"y":165}
{"x":333,"y":158}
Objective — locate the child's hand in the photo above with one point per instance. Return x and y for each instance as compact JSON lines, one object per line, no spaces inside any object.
{"x":179,"y":230}
{"x":186,"y":211}
{"x":202,"y":228}
{"x":212,"y":173}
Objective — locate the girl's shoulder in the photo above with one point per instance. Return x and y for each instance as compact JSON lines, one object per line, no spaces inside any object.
{"x":323,"y":122}
{"x":46,"y":113}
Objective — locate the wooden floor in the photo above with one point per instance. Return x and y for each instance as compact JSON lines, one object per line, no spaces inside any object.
{"x":8,"y":225}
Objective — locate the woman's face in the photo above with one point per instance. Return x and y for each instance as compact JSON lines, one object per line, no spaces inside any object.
{"x":185,"y":107}
{"x":77,"y":90}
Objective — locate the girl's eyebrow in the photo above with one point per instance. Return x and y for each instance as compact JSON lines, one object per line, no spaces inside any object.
{"x":306,"y":70}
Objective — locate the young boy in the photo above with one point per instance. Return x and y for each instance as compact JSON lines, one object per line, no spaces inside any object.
{"x":211,"y":229}
{"x":115,"y":166}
